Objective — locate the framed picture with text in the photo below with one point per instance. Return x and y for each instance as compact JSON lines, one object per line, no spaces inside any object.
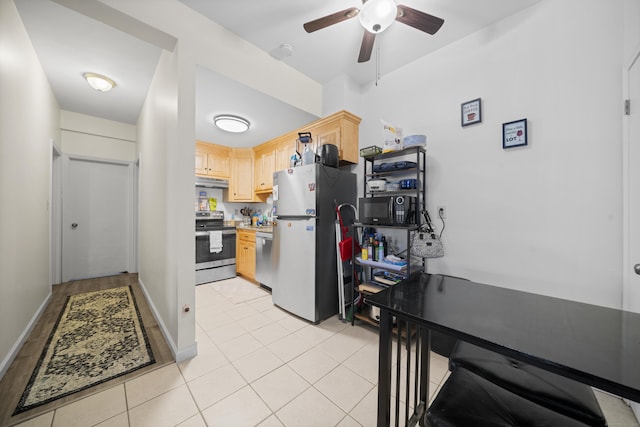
{"x":471,"y":112}
{"x":514,"y":134}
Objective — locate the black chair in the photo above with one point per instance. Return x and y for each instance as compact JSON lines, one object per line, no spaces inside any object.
{"x":469,"y":400}
{"x":557,"y":393}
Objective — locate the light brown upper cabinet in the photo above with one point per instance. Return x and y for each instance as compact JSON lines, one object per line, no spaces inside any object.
{"x":285,"y":148}
{"x":339,"y":129}
{"x":241,"y":179}
{"x":250,"y":170}
{"x":265,"y":160}
{"x":212,"y":160}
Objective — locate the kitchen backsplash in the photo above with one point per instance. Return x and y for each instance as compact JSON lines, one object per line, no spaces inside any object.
{"x":231,"y":210}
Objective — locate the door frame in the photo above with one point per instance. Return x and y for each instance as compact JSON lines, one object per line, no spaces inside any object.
{"x":55,"y":214}
{"x":626,"y":217}
{"x":626,"y":170}
{"x":133,"y":171}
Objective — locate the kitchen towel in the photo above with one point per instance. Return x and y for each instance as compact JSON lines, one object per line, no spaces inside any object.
{"x":215,"y":242}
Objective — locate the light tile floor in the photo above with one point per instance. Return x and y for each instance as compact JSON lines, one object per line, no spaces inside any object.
{"x":259,"y":366}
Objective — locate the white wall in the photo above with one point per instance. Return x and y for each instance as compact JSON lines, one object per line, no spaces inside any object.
{"x":159,"y":260}
{"x":28,"y":123}
{"x":200,"y":42}
{"x":217,"y":49}
{"x":89,"y":136}
{"x":544,"y":218}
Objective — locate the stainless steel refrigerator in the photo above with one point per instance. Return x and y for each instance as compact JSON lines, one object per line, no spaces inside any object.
{"x":305,"y":280}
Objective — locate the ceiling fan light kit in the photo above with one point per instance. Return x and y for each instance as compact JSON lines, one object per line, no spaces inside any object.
{"x":376,"y":16}
{"x":229,"y":123}
{"x":99,"y":82}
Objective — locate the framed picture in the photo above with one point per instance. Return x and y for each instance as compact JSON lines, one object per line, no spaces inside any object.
{"x":471,"y":112}
{"x":514,"y":134}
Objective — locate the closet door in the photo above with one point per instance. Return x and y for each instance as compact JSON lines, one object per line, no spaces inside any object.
{"x":95,"y":219}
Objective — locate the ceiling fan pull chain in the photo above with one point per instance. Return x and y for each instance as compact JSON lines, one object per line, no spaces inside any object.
{"x":378,"y":63}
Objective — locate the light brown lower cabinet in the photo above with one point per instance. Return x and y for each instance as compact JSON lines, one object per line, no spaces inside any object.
{"x":246,"y":253}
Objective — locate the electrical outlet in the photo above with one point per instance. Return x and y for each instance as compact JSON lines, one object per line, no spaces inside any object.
{"x":442,"y":212}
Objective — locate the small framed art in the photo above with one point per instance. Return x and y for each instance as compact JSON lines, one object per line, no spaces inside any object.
{"x":471,"y":112}
{"x":514,"y":134}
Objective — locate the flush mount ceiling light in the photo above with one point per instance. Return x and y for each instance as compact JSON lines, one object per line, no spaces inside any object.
{"x":231,"y":123}
{"x":99,"y":82}
{"x":376,"y":15}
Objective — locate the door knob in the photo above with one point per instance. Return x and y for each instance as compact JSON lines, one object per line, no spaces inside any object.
{"x":74,"y":225}
{"x":636,"y":268}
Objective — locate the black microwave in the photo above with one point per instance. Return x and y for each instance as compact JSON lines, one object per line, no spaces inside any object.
{"x":392,"y":210}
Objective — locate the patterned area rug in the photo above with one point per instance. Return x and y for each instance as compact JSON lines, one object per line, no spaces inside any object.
{"x":99,"y":336}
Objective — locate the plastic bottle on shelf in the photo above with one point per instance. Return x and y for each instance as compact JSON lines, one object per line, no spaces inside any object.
{"x":375,"y":249}
{"x":308,"y":156}
{"x":381,"y":248}
{"x":365,"y":253}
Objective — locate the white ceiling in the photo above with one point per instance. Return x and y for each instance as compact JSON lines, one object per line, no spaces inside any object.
{"x":69,"y":43}
{"x":333,"y":51}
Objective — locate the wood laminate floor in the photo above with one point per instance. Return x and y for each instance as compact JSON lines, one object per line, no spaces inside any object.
{"x":15,"y":380}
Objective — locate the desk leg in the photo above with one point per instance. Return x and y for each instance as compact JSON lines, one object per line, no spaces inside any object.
{"x":425,"y":336}
{"x":384,"y":369}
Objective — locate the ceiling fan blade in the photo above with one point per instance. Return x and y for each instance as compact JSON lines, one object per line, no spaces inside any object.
{"x":367,"y":46}
{"x":422,"y":21}
{"x":328,"y":20}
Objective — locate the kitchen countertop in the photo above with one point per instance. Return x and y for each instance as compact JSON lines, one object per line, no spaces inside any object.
{"x":262,"y":228}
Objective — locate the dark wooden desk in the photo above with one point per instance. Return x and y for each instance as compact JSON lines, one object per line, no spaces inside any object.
{"x":591,"y":344}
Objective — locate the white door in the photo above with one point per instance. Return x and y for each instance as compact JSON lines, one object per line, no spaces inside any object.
{"x":95,"y":219}
{"x":631,"y":263}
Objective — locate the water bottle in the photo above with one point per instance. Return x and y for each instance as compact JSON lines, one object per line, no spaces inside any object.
{"x":308,"y":156}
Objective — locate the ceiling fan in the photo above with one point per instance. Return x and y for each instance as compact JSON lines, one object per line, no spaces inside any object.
{"x":375,"y":16}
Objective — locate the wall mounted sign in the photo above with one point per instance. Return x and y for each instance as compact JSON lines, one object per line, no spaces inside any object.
{"x":471,"y":112}
{"x":514,"y":134}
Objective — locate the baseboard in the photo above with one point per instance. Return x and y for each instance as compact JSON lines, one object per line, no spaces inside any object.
{"x":4,"y":366}
{"x":187,"y":353}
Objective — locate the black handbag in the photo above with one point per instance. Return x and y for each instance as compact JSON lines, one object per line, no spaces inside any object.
{"x":425,"y":243}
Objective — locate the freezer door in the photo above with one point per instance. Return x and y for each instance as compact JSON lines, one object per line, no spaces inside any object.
{"x":294,"y":191}
{"x":294,"y":269}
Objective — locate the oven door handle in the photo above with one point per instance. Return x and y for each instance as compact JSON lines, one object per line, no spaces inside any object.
{"x":206,"y":233}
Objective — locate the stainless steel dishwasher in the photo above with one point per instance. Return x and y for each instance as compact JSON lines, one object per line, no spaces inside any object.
{"x":264,"y":241}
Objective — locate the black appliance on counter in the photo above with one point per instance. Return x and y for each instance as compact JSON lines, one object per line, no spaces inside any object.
{"x":215,"y":248}
{"x":392,"y":210}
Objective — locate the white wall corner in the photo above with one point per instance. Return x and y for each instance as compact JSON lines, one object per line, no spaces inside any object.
{"x":163,"y":328}
{"x":4,"y":365}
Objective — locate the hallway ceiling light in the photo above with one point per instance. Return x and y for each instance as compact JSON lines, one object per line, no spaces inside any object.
{"x":231,"y":123}
{"x":99,"y":82}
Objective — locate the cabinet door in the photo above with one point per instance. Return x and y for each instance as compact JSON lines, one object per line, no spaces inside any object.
{"x":268,"y":168}
{"x":218,"y":165}
{"x":243,"y":177}
{"x":250,"y":260}
{"x":240,"y":258}
{"x":283,"y":155}
{"x":265,"y":166}
{"x":201,"y":163}
{"x":331,"y":135}
{"x":212,"y":160}
{"x":241,"y":180}
{"x":340,"y":129}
